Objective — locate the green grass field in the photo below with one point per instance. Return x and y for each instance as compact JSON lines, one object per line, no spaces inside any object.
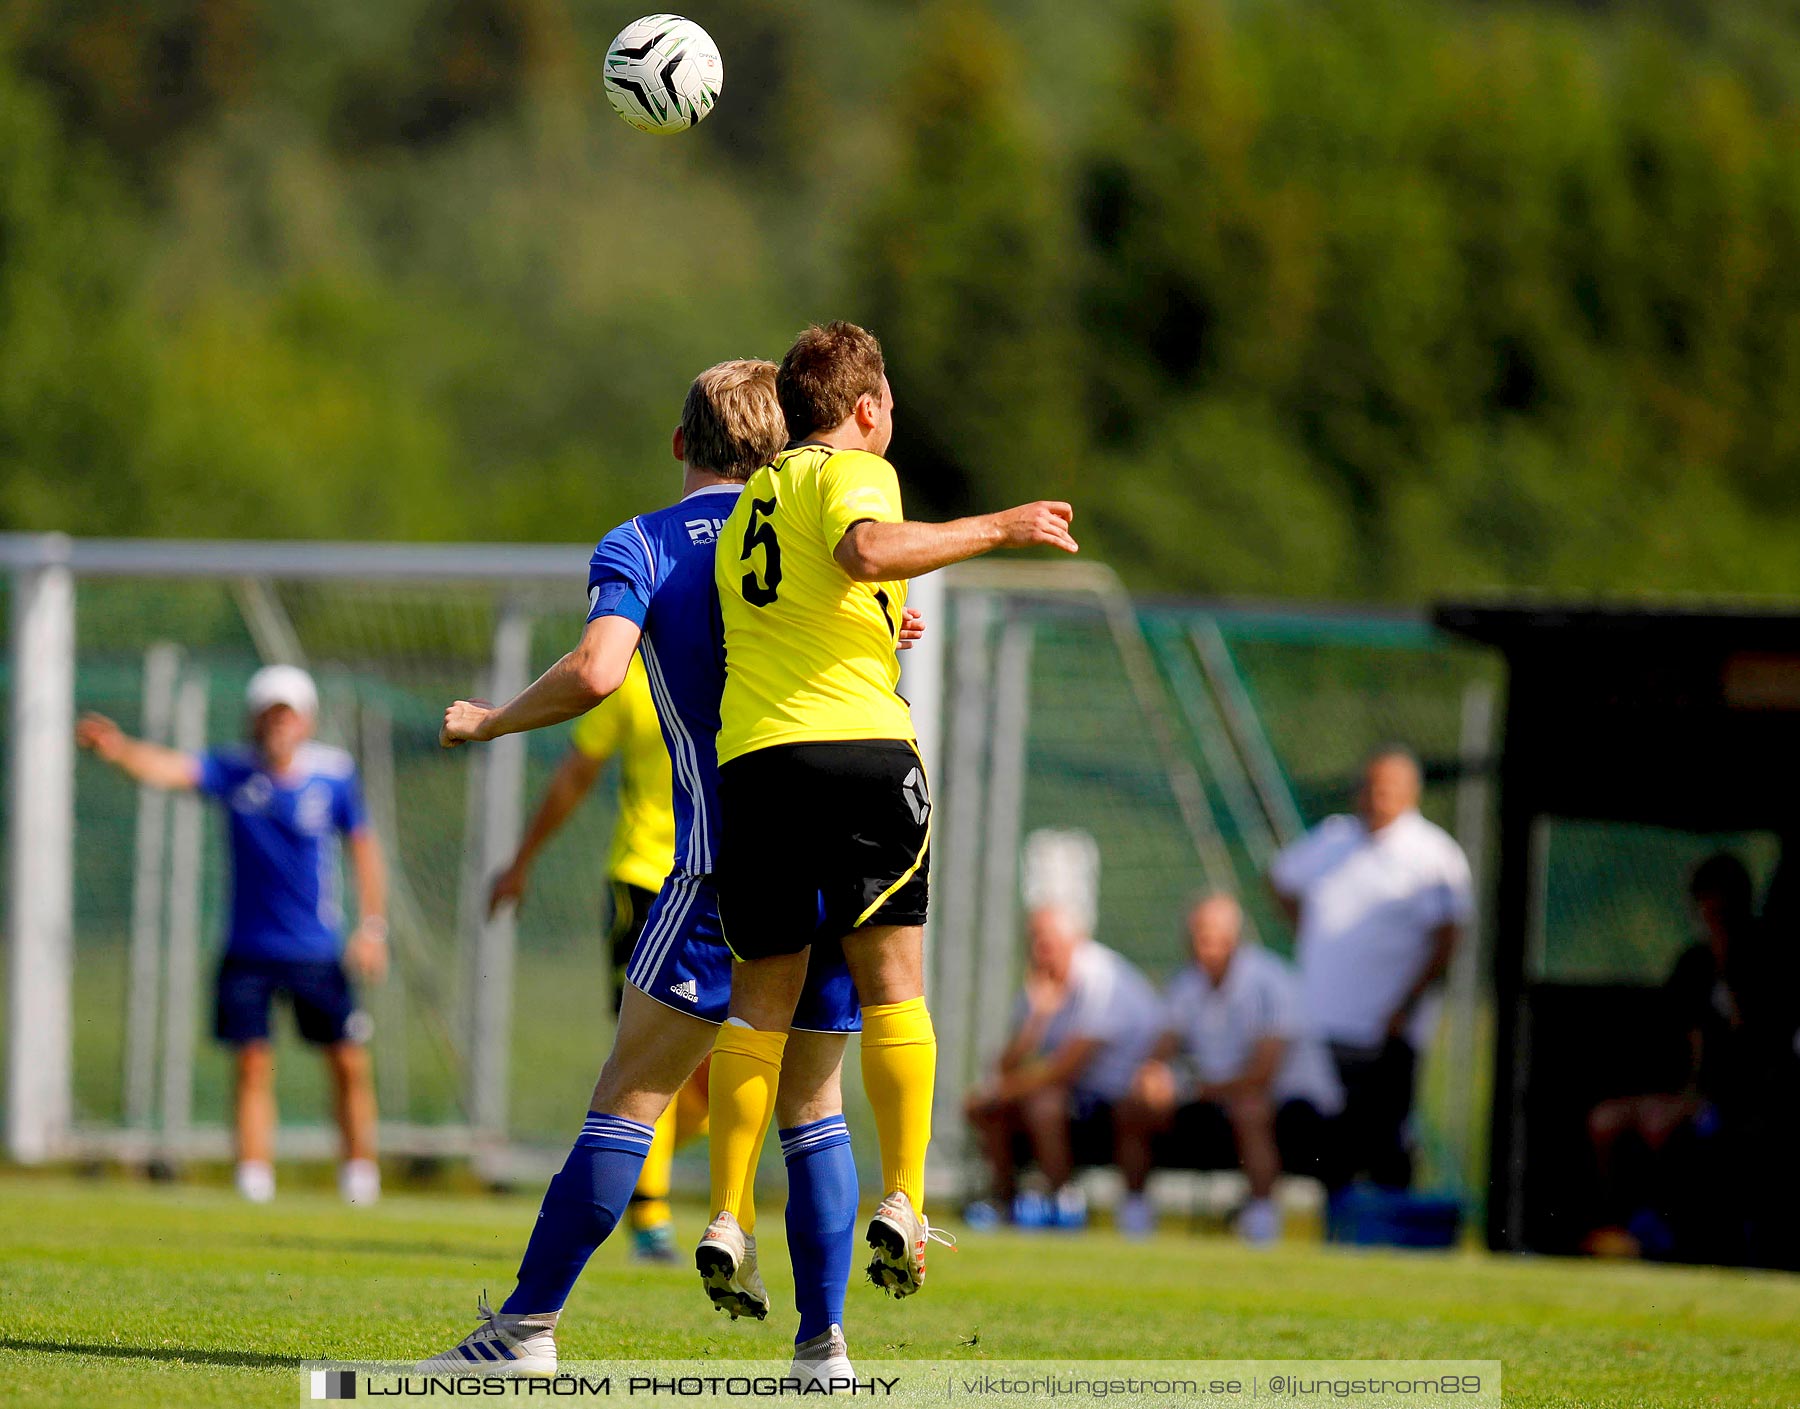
{"x":121,"y":1293}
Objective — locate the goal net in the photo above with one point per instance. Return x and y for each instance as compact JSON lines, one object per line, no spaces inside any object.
{"x":488,"y":1032}
{"x":1186,"y":741}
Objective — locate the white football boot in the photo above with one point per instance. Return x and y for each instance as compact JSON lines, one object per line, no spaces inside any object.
{"x":898,"y":1234}
{"x":503,"y":1346}
{"x":359,"y":1181}
{"x":822,"y":1364}
{"x":255,"y":1179}
{"x":726,"y":1259}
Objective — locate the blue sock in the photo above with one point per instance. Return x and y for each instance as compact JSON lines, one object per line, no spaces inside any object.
{"x":581,"y":1206}
{"x":821,"y":1220}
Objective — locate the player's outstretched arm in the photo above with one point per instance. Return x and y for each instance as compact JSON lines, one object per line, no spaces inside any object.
{"x":873,"y":551}
{"x":148,"y":763}
{"x":574,"y":778}
{"x":573,"y":686}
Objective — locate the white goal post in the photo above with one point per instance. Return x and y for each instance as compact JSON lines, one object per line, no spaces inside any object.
{"x":40,"y":840}
{"x":1043,"y":695}
{"x":46,"y":573}
{"x":977,"y":773}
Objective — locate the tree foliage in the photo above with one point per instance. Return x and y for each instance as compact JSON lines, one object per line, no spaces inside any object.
{"x":1331,"y":297}
{"x":1517,"y":289}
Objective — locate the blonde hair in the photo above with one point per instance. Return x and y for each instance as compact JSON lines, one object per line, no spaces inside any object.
{"x":731,"y":423}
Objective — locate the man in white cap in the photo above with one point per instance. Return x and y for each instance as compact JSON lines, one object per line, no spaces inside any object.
{"x":290,"y":800}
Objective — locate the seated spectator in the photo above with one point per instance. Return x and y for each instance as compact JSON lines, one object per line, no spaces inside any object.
{"x":1080,"y":1029}
{"x":1234,"y":1080}
{"x":1647,"y":1182}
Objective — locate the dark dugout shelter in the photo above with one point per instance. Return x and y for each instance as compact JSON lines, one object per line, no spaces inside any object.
{"x":1639,"y":742}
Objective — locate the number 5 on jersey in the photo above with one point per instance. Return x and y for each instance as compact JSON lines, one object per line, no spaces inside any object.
{"x":761,"y":534}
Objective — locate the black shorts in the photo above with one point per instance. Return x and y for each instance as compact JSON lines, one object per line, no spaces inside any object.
{"x":1093,"y":1138}
{"x":630,"y":909}
{"x":821,"y":838}
{"x":1201,"y":1137}
{"x":324,"y":1007}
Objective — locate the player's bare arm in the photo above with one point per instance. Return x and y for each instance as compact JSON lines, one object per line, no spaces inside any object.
{"x":573,"y":780}
{"x":872,"y":551}
{"x":144,"y":762}
{"x":571,"y":687}
{"x":366,"y":950}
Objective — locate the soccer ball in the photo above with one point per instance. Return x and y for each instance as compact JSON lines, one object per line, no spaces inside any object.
{"x":663,"y":73}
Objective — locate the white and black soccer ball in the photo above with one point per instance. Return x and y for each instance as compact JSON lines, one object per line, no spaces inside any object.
{"x":663,"y":73}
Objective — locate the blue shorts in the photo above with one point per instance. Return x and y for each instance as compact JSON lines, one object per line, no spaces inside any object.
{"x":324,"y":1006}
{"x":681,"y":961}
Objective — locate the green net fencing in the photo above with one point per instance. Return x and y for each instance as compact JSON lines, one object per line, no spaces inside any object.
{"x":1111,"y":740}
{"x":1263,"y":718}
{"x":387,"y":658}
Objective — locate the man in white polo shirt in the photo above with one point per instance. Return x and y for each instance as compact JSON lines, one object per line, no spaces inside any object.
{"x":1379,"y":901}
{"x":1081,"y":1027}
{"x":1236,"y":1079}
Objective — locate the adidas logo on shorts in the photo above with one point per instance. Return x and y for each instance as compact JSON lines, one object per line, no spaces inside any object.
{"x":918,"y":801}
{"x":687,"y":989}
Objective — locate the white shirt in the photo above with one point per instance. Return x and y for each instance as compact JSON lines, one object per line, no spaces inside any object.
{"x":1368,"y":905}
{"x":1108,"y":1001}
{"x":1219,"y":1027}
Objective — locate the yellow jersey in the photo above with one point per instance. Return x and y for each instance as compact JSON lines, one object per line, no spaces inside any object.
{"x":809,"y":652}
{"x":625,"y":723}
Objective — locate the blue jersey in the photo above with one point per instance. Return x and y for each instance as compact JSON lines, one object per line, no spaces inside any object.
{"x":284,"y":848}
{"x":657,"y":570}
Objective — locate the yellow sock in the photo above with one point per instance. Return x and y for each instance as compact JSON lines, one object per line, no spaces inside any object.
{"x":746,"y":1069}
{"x":899,"y":1066}
{"x":649,"y":1206}
{"x":690,"y":1107}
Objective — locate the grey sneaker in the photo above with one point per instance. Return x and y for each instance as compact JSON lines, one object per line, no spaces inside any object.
{"x":898,"y":1234}
{"x":1135,"y":1217}
{"x":822,"y":1364}
{"x":1259,"y":1222}
{"x":726,"y":1259}
{"x":502,"y":1345}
